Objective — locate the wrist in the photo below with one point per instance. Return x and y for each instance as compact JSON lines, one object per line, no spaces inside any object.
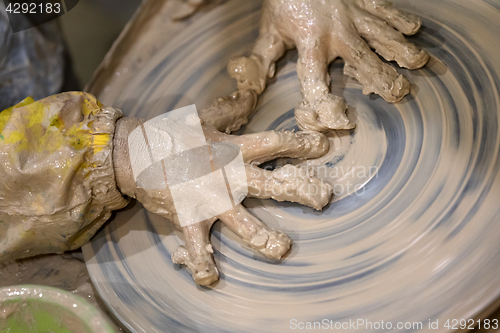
{"x":125,"y":181}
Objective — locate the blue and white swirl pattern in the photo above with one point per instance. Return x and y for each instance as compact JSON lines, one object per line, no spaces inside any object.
{"x":418,"y":241}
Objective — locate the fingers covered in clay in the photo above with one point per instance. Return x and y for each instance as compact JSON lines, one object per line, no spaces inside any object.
{"x":228,"y":114}
{"x":289,"y":183}
{"x":252,"y":73}
{"x":323,"y":114}
{"x":271,"y":243}
{"x":197,"y":254}
{"x":390,"y":43}
{"x":266,"y":146}
{"x":406,"y":23}
{"x":362,"y":64}
{"x":249,"y":73}
{"x":319,"y":110}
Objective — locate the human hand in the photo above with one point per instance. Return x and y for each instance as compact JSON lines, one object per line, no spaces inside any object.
{"x":289,"y":183}
{"x":323,"y":31}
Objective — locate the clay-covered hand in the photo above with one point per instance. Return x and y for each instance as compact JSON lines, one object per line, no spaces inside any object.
{"x":322,"y":31}
{"x":289,"y":183}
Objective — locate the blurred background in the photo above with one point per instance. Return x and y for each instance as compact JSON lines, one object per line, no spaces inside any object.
{"x":89,"y":31}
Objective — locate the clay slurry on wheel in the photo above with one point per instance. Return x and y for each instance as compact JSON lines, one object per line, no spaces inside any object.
{"x":170,"y":153}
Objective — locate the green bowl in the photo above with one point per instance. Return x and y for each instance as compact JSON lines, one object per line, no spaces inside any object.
{"x":37,"y":309}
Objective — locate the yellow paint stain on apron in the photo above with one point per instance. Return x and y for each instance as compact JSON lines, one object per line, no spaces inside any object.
{"x":34,"y":137}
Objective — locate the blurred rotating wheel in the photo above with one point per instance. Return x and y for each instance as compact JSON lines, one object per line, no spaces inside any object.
{"x":415,"y":239}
